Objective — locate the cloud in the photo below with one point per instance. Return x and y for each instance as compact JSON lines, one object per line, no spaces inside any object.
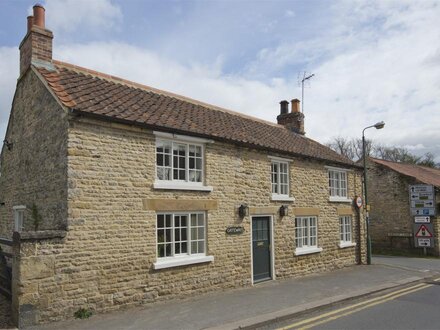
{"x":203,"y":82}
{"x":72,"y":15}
{"x":378,"y":61}
{"x":8,"y":78}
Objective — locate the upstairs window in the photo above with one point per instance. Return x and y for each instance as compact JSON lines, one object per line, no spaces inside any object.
{"x":337,"y":179}
{"x":280,"y":179}
{"x":177,"y":161}
{"x":180,"y":162}
{"x":19,"y":217}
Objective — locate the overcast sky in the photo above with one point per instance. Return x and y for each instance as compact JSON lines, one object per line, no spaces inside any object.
{"x":372,"y":60}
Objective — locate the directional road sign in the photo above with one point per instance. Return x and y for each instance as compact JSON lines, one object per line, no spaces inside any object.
{"x":422,"y":200}
{"x":422,"y":219}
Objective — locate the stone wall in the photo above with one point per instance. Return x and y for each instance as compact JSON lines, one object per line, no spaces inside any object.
{"x":34,"y":170}
{"x":106,"y":260}
{"x":391,"y":223}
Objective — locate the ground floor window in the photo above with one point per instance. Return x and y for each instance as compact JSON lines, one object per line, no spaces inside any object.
{"x":180,"y":234}
{"x":306,"y":235}
{"x":345,"y":229}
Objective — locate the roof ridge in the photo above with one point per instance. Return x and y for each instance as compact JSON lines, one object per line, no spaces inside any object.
{"x":159,"y":91}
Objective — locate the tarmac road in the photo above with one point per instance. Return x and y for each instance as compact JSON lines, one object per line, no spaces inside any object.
{"x":413,"y":307}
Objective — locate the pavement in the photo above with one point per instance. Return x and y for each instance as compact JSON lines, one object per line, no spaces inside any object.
{"x":257,"y":305}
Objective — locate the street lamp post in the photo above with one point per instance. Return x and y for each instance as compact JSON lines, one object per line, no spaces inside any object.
{"x":378,"y":125}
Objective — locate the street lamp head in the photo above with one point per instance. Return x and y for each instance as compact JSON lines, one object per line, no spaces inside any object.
{"x":379,"y":125}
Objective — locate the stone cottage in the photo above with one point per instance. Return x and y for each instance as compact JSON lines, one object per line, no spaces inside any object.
{"x":117,"y":194}
{"x":391,"y":222}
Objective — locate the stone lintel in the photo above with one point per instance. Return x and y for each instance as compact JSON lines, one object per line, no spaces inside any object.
{"x":300,"y":211}
{"x":263,"y":210}
{"x":345,"y":211}
{"x":168,"y":204}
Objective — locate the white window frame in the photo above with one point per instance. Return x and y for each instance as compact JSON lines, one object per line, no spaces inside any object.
{"x":188,"y":141}
{"x":19,"y":211}
{"x":279,"y":196}
{"x":346,"y":231}
{"x":182,"y":259}
{"x":307,"y":248}
{"x":339,"y":193}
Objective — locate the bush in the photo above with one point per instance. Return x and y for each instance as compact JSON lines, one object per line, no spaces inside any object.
{"x":83,"y":313}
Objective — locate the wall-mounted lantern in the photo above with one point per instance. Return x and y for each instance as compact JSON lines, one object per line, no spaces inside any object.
{"x":243,"y":211}
{"x":284,"y":211}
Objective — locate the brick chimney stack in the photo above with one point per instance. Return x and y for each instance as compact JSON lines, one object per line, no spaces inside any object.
{"x":36,"y":47}
{"x":293,"y":120}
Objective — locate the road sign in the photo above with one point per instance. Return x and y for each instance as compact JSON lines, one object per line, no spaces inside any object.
{"x":423,"y":242}
{"x":423,"y":219}
{"x":359,"y":202}
{"x":421,"y":204}
{"x":423,"y":235}
{"x":422,"y":200}
{"x":422,"y":188}
{"x":427,"y":211}
{"x":423,"y":232}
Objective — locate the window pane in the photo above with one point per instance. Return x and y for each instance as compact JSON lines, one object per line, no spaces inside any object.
{"x":161,"y":250}
{"x":194,"y":247}
{"x":201,"y":247}
{"x":168,"y":250}
{"x":160,"y":221}
{"x":194,"y":234}
{"x":184,"y":247}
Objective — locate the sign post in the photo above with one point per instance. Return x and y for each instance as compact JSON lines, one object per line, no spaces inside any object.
{"x":422,"y":207}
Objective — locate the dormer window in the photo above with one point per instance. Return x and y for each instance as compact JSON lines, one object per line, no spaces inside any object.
{"x":180,"y":162}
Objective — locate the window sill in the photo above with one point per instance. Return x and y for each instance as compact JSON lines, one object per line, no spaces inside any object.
{"x":180,"y":186}
{"x":302,"y":251}
{"x":343,"y":245}
{"x":339,"y":199}
{"x":181,"y":261}
{"x":283,"y":198}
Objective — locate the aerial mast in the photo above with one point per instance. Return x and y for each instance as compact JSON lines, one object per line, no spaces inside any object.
{"x":305,"y":77}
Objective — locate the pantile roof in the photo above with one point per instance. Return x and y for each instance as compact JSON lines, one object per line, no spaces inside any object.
{"x":423,"y":174}
{"x":107,"y":97}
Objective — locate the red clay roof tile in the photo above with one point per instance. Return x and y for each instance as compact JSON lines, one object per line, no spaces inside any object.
{"x":423,"y":174}
{"x":98,"y":94}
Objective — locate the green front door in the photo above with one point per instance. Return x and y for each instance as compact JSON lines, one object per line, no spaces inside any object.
{"x":261,"y":248}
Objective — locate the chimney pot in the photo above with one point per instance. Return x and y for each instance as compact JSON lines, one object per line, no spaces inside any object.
{"x":30,"y":22}
{"x":284,"y":107}
{"x":36,"y":47}
{"x":39,"y":19}
{"x":294,"y":120}
{"x":295,"y":105}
